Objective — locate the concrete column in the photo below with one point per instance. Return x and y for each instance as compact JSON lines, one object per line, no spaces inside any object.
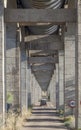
{"x":2,"y":60}
{"x":78,"y":66}
{"x":23,"y":75}
{"x":69,"y":41}
{"x":12,"y":63}
{"x":61,"y":79}
{"x":12,"y":59}
{"x":49,"y":90}
{"x":28,"y":78}
{"x":35,"y":91}
{"x":57,"y":87}
{"x":39,"y":93}
{"x":52,"y":89}
{"x":32,"y":88}
{"x":25,"y":83}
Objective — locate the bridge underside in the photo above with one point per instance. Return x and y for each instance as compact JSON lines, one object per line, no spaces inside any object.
{"x":40,"y":55}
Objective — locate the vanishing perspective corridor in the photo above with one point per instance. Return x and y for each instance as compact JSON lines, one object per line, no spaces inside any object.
{"x":44,"y":118}
{"x":40,"y":61}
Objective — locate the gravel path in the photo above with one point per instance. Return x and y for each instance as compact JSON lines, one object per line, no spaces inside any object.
{"x":44,"y":118}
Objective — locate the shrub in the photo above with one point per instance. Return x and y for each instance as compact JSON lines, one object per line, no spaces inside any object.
{"x":70,"y":122}
{"x":67,"y":124}
{"x":9,"y":98}
{"x":68,"y":118}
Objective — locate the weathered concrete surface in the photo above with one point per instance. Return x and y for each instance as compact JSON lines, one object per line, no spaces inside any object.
{"x":12,"y":58}
{"x":23,"y":64}
{"x":12,"y":63}
{"x":69,"y":40}
{"x":32,"y":16}
{"x":78,"y":65}
{"x":43,"y":67}
{"x":33,"y":39}
{"x":57,"y":86}
{"x":28,"y":81}
{"x":61,"y":79}
{"x":43,"y":78}
{"x":35,"y":90}
{"x":48,"y":59}
{"x":43,"y":52}
{"x":2,"y":59}
{"x":44,"y":43}
{"x":52,"y":89}
{"x":23,"y":72}
{"x":44,"y":118}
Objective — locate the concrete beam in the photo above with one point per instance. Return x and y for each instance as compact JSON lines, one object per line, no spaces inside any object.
{"x":44,"y":75}
{"x":43,"y":84}
{"x":33,"y":16}
{"x":43,"y":80}
{"x":49,"y":59}
{"x":42,"y":38}
{"x":43,"y":67}
{"x":43,"y":52}
{"x":46,"y":43}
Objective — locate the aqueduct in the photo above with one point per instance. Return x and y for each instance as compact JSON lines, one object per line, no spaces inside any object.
{"x":40,"y":44}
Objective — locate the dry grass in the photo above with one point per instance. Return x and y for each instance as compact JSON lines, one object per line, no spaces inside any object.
{"x":14,"y":121}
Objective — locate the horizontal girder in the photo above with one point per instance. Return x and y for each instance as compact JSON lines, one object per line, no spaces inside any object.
{"x":33,"y":16}
{"x":52,"y":42}
{"x":49,"y":59}
{"x":43,"y":67}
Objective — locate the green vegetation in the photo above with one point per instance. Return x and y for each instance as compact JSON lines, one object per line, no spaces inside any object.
{"x":69,"y":122}
{"x":61,"y":112}
{"x":49,"y":97}
{"x":9,"y":98}
{"x":68,"y":118}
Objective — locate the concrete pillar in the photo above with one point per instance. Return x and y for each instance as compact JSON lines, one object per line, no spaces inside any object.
{"x":39,"y":93}
{"x":12,"y":63}
{"x":27,"y":84}
{"x":23,"y":75}
{"x":52,"y":89}
{"x":12,"y":59}
{"x":2,"y":60}
{"x":28,"y":78}
{"x":61,"y":79}
{"x":32,"y":89}
{"x":78,"y":65}
{"x":69,"y":42}
{"x":57,"y":87}
{"x":36,"y":91}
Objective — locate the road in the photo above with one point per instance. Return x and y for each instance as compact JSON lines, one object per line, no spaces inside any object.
{"x":44,"y":118}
